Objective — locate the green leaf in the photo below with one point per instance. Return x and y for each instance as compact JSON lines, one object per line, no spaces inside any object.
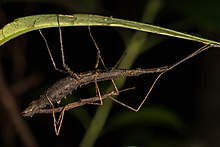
{"x":30,"y":23}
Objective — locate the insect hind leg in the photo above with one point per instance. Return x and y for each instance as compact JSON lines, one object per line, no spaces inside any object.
{"x":148,"y":93}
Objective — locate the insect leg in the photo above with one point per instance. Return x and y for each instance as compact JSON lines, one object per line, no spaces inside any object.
{"x":48,"y":49}
{"x":98,"y":91}
{"x":53,"y":114}
{"x":60,"y":119}
{"x":119,"y":61}
{"x":62,"y":51}
{"x":98,"y":59}
{"x":148,"y":93}
{"x":116,"y":65}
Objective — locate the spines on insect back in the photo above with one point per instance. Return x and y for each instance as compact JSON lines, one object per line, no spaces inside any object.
{"x":61,"y":89}
{"x":54,"y":93}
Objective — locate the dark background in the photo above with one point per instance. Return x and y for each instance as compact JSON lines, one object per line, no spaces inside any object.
{"x":183,"y":108}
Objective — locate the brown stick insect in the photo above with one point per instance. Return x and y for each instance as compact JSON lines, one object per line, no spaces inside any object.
{"x":60,"y":89}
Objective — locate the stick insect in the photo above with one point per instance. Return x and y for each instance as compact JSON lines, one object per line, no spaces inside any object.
{"x":63,"y":87}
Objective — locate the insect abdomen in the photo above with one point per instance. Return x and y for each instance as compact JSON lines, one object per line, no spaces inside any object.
{"x":61,"y":89}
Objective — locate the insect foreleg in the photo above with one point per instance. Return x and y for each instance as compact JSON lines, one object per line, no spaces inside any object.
{"x":60,"y":121}
{"x":62,"y":51}
{"x":57,"y":123}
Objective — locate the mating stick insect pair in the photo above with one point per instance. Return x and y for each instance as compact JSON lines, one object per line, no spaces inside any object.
{"x":65,"y":86}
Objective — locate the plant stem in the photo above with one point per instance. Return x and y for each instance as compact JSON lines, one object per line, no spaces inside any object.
{"x":133,"y":50}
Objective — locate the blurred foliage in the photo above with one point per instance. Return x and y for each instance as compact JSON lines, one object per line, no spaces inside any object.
{"x":205,"y":13}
